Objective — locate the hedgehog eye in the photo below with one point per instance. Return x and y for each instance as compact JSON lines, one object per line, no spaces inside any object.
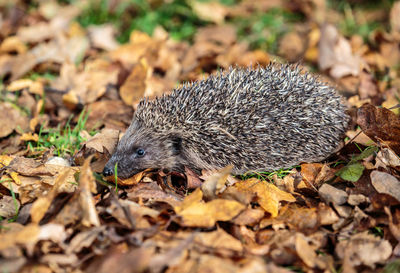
{"x":140,"y":152}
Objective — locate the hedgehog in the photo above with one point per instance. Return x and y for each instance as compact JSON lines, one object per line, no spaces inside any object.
{"x":255,"y":119}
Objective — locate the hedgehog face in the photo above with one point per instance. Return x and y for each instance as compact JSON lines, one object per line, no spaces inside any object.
{"x":141,"y":149}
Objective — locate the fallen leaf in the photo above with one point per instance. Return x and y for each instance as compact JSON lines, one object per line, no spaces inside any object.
{"x":11,"y":118}
{"x":9,"y":207}
{"x":307,"y":253}
{"x":335,"y":54}
{"x":368,"y":86}
{"x":106,"y":138}
{"x":219,"y":239}
{"x":351,"y":172}
{"x":30,"y":137}
{"x":394,"y":18}
{"x":363,"y":249}
{"x":210,"y":11}
{"x":291,"y":46}
{"x":381,"y":125}
{"x":387,"y":158}
{"x":215,"y":183}
{"x":197,"y":213}
{"x":13,"y":44}
{"x":267,"y":194}
{"x":249,"y":217}
{"x":386,"y":183}
{"x":87,"y":186}
{"x":333,"y":195}
{"x":41,"y":205}
{"x":103,"y":37}
{"x":27,"y":235}
{"x":133,"y":89}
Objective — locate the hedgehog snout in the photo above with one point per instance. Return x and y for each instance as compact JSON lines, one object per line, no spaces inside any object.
{"x":110,"y":166}
{"x":108,"y":171}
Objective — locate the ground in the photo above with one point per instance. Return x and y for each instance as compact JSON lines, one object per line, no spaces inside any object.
{"x":72,"y":74}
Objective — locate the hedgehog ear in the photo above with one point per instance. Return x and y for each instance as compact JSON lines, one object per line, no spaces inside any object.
{"x":176,"y":145}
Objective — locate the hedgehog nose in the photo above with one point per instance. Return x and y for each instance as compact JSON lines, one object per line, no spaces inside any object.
{"x":107,"y":171}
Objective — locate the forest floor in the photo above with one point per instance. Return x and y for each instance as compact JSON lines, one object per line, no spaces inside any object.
{"x":72,"y":74}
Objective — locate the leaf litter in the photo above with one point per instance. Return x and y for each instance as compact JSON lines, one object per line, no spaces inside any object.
{"x":58,"y":214}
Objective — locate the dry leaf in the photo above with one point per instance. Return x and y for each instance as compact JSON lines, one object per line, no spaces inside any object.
{"x":381,"y":125}
{"x":197,"y":213}
{"x":333,"y":195}
{"x":41,"y":205}
{"x":134,"y":87}
{"x":267,"y":194}
{"x":11,"y":119}
{"x":87,"y":186}
{"x":386,"y":183}
{"x":210,"y":11}
{"x":363,"y":249}
{"x":336,"y":55}
{"x":103,"y":37}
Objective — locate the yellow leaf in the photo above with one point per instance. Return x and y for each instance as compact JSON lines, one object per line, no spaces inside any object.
{"x":193,"y":198}
{"x":29,"y":137}
{"x":16,"y":178}
{"x":268,"y":195}
{"x":5,"y":160}
{"x":197,"y":213}
{"x":134,"y":87}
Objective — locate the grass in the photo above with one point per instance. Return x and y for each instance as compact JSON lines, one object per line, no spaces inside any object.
{"x":349,"y":26}
{"x":175,"y":16}
{"x":65,"y":140}
{"x":116,"y":177}
{"x":261,"y":30}
{"x":267,"y":176}
{"x":264,"y":30}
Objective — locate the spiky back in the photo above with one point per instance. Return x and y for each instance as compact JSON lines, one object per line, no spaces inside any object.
{"x":256,"y":119}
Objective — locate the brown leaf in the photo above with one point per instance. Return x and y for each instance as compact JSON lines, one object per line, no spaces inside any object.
{"x":88,"y":85}
{"x":363,"y":249}
{"x":307,"y":253}
{"x":291,"y":46}
{"x":87,"y":186}
{"x":386,"y":183}
{"x":8,"y":207}
{"x":215,"y":183}
{"x":28,"y":167}
{"x":11,"y":119}
{"x":120,"y":260}
{"x":394,"y":18}
{"x":368,"y":87}
{"x":336,"y":54}
{"x":193,"y":180}
{"x":114,"y":114}
{"x":41,"y":205}
{"x":141,"y":46}
{"x":134,"y":87}
{"x":84,"y":239}
{"x":381,"y":125}
{"x":267,"y":194}
{"x":153,"y":192}
{"x":333,"y":195}
{"x":219,"y":239}
{"x":13,"y":44}
{"x":314,"y":174}
{"x":387,"y":158}
{"x":26,"y":235}
{"x":106,"y":138}
{"x":197,"y":213}
{"x":249,"y":217}
{"x":103,"y":37}
{"x":210,"y":11}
